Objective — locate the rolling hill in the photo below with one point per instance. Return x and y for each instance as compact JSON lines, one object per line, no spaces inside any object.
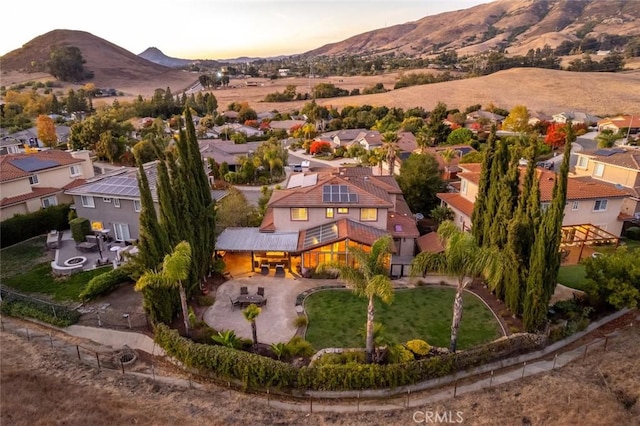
{"x":516,"y":25}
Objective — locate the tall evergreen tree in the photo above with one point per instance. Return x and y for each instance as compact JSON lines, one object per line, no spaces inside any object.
{"x":478,"y":214}
{"x":499,"y":167}
{"x":168,"y":217}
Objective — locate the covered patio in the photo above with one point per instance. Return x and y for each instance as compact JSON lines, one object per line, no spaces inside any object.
{"x":580,"y":241}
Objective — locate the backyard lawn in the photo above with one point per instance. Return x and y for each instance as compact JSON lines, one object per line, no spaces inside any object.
{"x":337,"y":318}
{"x":26,"y":267}
{"x":573,"y":276}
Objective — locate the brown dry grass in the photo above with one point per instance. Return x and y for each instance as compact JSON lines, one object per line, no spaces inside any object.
{"x":40,"y":386}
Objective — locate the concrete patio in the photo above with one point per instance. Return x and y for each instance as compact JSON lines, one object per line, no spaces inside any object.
{"x":67,"y":249}
{"x":275,"y":322}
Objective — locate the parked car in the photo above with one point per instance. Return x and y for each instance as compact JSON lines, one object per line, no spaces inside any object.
{"x":297,"y":168}
{"x":545,"y":164}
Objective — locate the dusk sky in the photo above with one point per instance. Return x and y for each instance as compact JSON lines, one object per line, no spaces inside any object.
{"x":213,"y":29}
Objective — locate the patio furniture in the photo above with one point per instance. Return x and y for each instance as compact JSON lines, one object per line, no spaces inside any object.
{"x":87,"y":246}
{"x":53,"y":239}
{"x":250,"y":299}
{"x":244,"y":290}
{"x":234,"y":303}
{"x":261,"y":291}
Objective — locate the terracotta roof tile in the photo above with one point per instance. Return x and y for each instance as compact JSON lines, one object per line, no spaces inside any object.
{"x":9,"y":171}
{"x":458,"y":202}
{"x":268,"y":224}
{"x":430,"y":243}
{"x":617,"y":156}
{"x":402,"y":226}
{"x":36,"y":192}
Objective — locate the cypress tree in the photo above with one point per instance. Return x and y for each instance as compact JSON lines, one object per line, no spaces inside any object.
{"x":168,"y":217}
{"x":535,"y":303}
{"x":478,"y":214}
{"x":499,"y":167}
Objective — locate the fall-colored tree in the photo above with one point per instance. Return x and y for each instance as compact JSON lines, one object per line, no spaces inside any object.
{"x":517,"y":120}
{"x":556,"y":133}
{"x":46,"y":130}
{"x":318,"y":147}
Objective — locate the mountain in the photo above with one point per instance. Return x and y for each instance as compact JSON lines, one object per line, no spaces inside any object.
{"x":156,"y":56}
{"x":516,"y":25}
{"x":113,"y":66}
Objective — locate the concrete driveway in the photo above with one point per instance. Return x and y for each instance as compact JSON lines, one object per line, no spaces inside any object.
{"x":275,"y":322}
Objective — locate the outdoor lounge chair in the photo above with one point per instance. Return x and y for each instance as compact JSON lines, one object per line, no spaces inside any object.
{"x":261,"y":291}
{"x":234,"y":303}
{"x":244,"y":290}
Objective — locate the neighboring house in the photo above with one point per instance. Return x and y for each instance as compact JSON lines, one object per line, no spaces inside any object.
{"x":589,"y":202}
{"x":575,"y":117}
{"x":616,"y":167}
{"x":370,"y":139}
{"x":113,"y":200}
{"x":318,"y":216}
{"x":486,"y":117}
{"x":627,"y":122}
{"x":226,"y":151}
{"x":231,"y":128}
{"x":10,"y":145}
{"x":536,"y":117}
{"x":286,"y":125}
{"x":29,"y":182}
{"x":343,"y":137}
{"x":449,"y":169}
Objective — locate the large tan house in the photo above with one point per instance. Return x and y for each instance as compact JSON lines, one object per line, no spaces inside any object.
{"x":319,"y":215}
{"x":29,"y":182}
{"x":618,"y":168}
{"x":589,"y":202}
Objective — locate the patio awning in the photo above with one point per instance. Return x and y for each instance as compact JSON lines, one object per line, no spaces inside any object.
{"x":251,"y":239}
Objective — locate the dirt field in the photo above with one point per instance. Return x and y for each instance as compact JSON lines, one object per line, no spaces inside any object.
{"x":40,"y":386}
{"x":541,"y":90}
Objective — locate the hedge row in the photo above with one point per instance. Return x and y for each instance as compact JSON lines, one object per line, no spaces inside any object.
{"x":21,"y":227}
{"x":256,"y":371}
{"x":57,"y":316}
{"x":104,"y":283}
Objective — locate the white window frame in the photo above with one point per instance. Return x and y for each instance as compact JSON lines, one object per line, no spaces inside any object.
{"x":121,"y":231}
{"x":575,"y":206}
{"x":600,"y":205}
{"x":116,"y":203}
{"x":137,"y":205}
{"x":87,"y":201}
{"x":598,"y":170}
{"x":299,"y":214}
{"x":75,"y":170}
{"x":583,"y":162}
{"x":33,"y":180}
{"x":52,"y":199}
{"x":343,"y":210}
{"x":330,"y":212}
{"x":463,"y":186}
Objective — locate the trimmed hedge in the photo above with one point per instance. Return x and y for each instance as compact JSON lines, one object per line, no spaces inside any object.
{"x":21,"y":227}
{"x":104,"y":283}
{"x":80,"y":228}
{"x":258,"y":372}
{"x":22,"y":307}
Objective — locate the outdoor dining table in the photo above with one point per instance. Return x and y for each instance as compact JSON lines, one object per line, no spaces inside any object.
{"x":248,"y":299}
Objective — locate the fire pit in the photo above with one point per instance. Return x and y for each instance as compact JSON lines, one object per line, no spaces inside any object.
{"x":75,"y":261}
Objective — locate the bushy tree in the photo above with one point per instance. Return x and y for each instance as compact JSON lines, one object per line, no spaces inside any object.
{"x":420,"y":181}
{"x":615,"y":278}
{"x":67,"y":64}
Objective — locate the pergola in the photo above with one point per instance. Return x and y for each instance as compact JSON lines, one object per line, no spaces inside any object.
{"x":587,"y":234}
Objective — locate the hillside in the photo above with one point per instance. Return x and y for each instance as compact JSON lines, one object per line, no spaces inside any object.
{"x":516,"y":25}
{"x":112,"y":65}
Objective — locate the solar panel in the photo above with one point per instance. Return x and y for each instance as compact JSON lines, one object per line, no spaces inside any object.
{"x":33,"y":164}
{"x":338,"y":194}
{"x":604,"y":152}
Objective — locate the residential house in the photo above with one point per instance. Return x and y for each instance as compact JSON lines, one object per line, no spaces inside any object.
{"x":485,"y":118}
{"x":588,"y":201}
{"x":575,"y":117}
{"x":449,"y":168}
{"x":318,"y":216}
{"x":230,"y":128}
{"x":618,"y":168}
{"x":112,"y":201}
{"x":344,"y":137}
{"x":226,"y":151}
{"x":29,"y":182}
{"x":286,"y":125}
{"x":629,"y":123}
{"x":10,"y":145}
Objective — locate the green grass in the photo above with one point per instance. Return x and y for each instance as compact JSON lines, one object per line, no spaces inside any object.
{"x":40,"y":280}
{"x":573,"y":276}
{"x":337,"y":318}
{"x":20,"y":257}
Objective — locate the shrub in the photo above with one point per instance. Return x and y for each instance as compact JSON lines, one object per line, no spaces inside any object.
{"x":418,"y":347}
{"x":80,"y":227}
{"x":300,"y":321}
{"x":21,"y":227}
{"x":300,"y":347}
{"x":204,"y":300}
{"x":279,"y":349}
{"x":633,"y":233}
{"x":104,"y":283}
{"x":31,"y":308}
{"x":399,"y":354}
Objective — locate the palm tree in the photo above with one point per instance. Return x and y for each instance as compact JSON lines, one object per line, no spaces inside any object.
{"x":368,"y":276}
{"x":423,"y":139}
{"x":607,"y":138}
{"x":447,"y":156}
{"x":462,"y":259}
{"x":175,"y":269}
{"x":250,"y":314}
{"x":390,"y":149}
{"x":227,"y":338}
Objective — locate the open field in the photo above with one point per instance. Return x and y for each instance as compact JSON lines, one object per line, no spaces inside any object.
{"x":40,"y":386}
{"x":548,"y":91}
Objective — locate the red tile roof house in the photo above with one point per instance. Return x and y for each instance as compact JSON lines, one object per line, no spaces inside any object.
{"x":318,"y":216}
{"x":589,"y":202}
{"x":29,"y":182}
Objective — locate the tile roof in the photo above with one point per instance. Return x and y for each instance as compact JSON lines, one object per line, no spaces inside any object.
{"x":430,"y":242}
{"x":629,"y":158}
{"x":17,"y":166}
{"x":402,"y":226}
{"x":330,"y":233}
{"x":621,"y":121}
{"x":36,"y":192}
{"x":458,"y":202}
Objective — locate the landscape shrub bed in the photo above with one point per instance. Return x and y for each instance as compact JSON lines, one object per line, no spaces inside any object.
{"x":104,"y":283}
{"x":16,"y":306}
{"x":259,"y":372}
